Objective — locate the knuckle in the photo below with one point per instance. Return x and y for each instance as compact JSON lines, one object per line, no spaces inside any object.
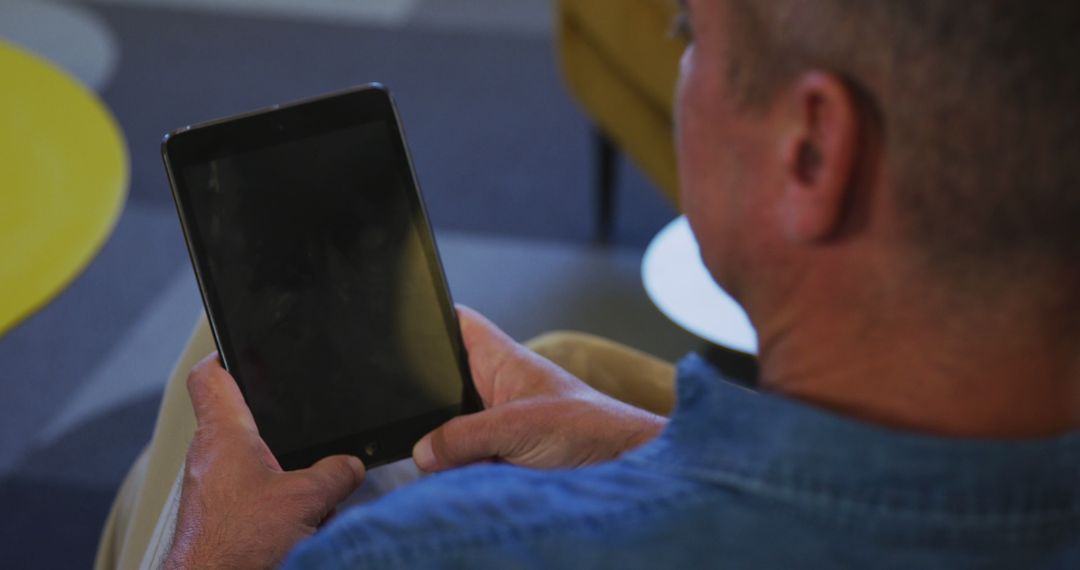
{"x":336,"y":474}
{"x":195,"y":379}
{"x":308,"y":493}
{"x":202,"y":444}
{"x":315,"y":483}
{"x":198,"y":463}
{"x":440,"y":448}
{"x":205,"y":435}
{"x":462,"y":439}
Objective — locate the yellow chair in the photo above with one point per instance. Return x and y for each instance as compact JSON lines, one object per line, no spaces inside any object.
{"x":63,"y":181}
{"x":620,"y":62}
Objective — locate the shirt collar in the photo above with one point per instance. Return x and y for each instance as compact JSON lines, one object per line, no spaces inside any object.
{"x":723,"y":430}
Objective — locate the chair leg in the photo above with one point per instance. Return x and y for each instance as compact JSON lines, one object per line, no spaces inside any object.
{"x":606,"y":163}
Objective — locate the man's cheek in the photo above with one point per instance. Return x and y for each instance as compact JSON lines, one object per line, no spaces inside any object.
{"x":691,"y":153}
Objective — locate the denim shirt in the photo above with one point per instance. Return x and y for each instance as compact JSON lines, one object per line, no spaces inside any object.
{"x":738,"y":479}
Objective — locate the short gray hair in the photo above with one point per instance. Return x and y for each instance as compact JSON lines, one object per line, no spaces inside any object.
{"x":978,"y":102}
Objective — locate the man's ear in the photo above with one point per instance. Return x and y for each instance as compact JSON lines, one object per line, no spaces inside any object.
{"x":819,"y":156}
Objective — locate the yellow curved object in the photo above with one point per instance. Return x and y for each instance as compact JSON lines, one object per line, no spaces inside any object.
{"x":63,"y":181}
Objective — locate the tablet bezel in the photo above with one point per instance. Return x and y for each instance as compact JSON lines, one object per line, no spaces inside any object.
{"x":279,"y":124}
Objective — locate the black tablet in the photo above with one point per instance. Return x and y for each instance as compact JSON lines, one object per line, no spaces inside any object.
{"x":320,"y":275}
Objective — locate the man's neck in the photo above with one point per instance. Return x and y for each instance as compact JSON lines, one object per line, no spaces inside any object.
{"x":1002,"y":372}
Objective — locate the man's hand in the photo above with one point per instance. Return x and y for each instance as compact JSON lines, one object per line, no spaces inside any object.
{"x":238,"y":509}
{"x":536,"y":414}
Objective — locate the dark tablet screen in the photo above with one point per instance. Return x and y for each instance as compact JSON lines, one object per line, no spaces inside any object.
{"x":315,"y":253}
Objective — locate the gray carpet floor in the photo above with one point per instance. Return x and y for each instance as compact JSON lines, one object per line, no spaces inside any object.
{"x":502,"y":154}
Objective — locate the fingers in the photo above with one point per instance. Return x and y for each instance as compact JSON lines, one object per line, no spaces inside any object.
{"x":332,"y":480}
{"x":464,"y":440}
{"x":216,"y":398}
{"x":488,"y":348}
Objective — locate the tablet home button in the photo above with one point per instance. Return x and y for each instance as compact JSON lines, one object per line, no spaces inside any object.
{"x":371,"y":448}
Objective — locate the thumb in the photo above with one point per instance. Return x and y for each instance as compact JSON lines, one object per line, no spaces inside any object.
{"x":488,"y":348}
{"x":215,"y":397}
{"x":464,"y":440}
{"x":331,"y":481}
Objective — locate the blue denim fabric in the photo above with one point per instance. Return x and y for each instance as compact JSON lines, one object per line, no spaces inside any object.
{"x":739,"y":479}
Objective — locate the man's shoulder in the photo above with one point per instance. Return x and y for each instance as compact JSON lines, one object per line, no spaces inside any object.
{"x":477,"y":516}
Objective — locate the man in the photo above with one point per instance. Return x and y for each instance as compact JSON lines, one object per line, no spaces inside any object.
{"x":889,"y":188}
